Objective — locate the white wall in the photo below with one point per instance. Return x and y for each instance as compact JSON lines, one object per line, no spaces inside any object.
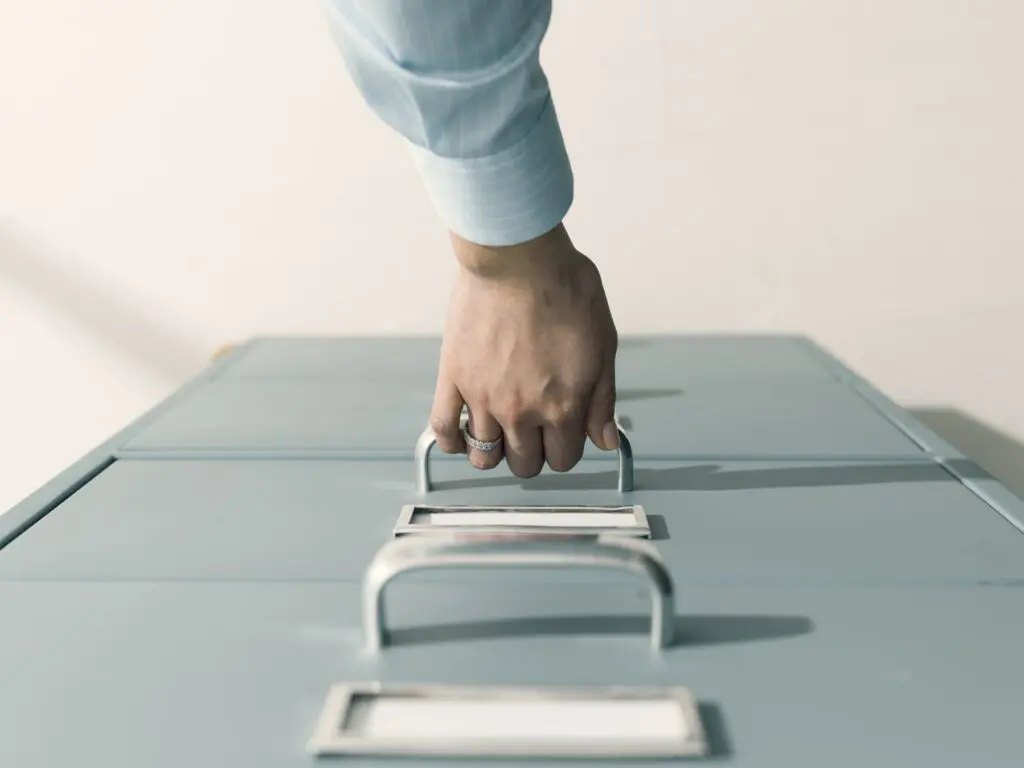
{"x":174,"y":175}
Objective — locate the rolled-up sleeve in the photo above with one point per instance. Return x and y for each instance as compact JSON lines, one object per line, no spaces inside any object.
{"x":461,"y":81}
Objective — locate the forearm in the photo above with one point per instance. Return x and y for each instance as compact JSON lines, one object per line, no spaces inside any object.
{"x":461,"y":81}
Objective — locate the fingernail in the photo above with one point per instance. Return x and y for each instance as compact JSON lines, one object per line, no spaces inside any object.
{"x":610,"y":436}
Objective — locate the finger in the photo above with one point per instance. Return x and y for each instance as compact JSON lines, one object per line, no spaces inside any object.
{"x":601,"y":412}
{"x":445,"y":415}
{"x":483,"y":426}
{"x":564,"y":441}
{"x":524,"y":449}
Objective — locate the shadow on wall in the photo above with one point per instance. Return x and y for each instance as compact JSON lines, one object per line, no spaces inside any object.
{"x":110,"y":317}
{"x":995,"y":452}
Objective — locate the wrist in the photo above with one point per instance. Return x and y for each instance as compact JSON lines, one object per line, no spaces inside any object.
{"x":553,"y":249}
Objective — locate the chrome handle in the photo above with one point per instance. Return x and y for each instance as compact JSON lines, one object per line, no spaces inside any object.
{"x":413,"y":553}
{"x":428,"y":439}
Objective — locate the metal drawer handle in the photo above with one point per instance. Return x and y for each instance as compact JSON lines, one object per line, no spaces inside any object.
{"x":413,"y":553}
{"x":428,"y":439}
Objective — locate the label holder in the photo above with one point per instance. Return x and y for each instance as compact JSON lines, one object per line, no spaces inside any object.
{"x":625,"y":520}
{"x":653,"y":722}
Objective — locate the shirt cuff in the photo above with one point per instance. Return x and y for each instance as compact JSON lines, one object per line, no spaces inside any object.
{"x":506,"y":198}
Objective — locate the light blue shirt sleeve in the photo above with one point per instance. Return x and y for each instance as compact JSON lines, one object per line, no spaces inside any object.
{"x":461,"y":81}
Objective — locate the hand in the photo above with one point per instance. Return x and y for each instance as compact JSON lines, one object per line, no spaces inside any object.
{"x":529,"y":346}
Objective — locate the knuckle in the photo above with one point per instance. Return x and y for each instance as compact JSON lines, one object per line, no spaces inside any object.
{"x":448,"y":440}
{"x":444,"y":428}
{"x":563,"y":413}
{"x":513,"y":410}
{"x":557,"y":414}
{"x":482,"y":460}
{"x":513,"y":419}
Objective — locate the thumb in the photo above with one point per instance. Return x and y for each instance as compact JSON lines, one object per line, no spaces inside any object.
{"x":446,"y":415}
{"x":601,"y":413}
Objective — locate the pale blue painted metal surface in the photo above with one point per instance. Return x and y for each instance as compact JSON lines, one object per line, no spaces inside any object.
{"x":916,"y":431}
{"x":641,"y":359}
{"x":25,"y":513}
{"x":649,"y":366}
{"x":728,"y":418}
{"x":724,"y":396}
{"x":220,"y":675}
{"x":903,"y":420}
{"x":990,"y":490}
{"x":749,"y":523}
{"x":405,"y":359}
{"x":825,"y":358}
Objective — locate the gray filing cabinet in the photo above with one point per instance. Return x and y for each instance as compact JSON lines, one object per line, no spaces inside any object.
{"x":817,"y":580}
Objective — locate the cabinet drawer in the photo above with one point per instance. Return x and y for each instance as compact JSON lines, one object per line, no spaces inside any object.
{"x":236,"y":674}
{"x":802,"y":523}
{"x":642,"y":361}
{"x":731,"y":418}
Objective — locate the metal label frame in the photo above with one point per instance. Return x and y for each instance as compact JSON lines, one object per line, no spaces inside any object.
{"x":639,"y":529}
{"x":332,"y":737}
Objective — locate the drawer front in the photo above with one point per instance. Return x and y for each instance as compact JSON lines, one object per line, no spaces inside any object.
{"x":798,"y":523}
{"x":386,"y":358}
{"x":641,"y":360}
{"x":233,"y":674}
{"x":731,"y":418}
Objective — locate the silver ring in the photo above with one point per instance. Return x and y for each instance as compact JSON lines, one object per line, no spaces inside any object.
{"x":478,"y":445}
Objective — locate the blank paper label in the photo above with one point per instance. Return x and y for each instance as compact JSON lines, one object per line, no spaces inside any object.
{"x":583,"y":720}
{"x":540,"y":518}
